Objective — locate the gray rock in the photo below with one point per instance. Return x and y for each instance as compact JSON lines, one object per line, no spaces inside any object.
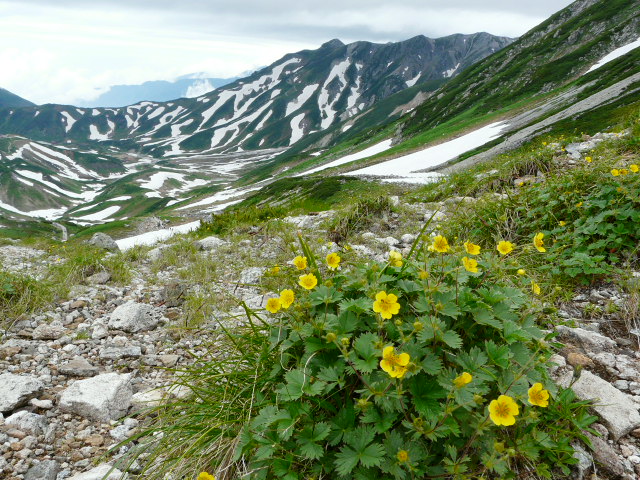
{"x":43,"y":404}
{"x":17,"y":390}
{"x":51,"y":331}
{"x":78,"y":367}
{"x":99,"y":278}
{"x":28,"y":422}
{"x":156,"y":254}
{"x":616,"y":409}
{"x":133,"y":317}
{"x":149,"y":398}
{"x":209,"y":243}
{"x":103,"y":398}
{"x":102,"y":240}
{"x":99,"y":331}
{"x":45,"y":470}
{"x":606,"y":456}
{"x":408,"y":238}
{"x":101,"y":472}
{"x":584,"y":462}
{"x":113,"y":352}
{"x":121,"y":432}
{"x":251,"y":275}
{"x":590,"y":341}
{"x":174,"y":294}
{"x":434,"y":216}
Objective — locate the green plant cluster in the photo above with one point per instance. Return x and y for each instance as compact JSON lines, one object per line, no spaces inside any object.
{"x":326,"y":409}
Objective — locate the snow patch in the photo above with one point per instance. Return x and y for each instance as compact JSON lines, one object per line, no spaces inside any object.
{"x":618,"y":52}
{"x":151,"y":238}
{"x":302,"y":98}
{"x":297,"y":130}
{"x":101,"y":215}
{"x":367,"y":152}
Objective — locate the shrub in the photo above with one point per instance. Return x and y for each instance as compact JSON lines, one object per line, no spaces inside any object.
{"x":409,"y":369}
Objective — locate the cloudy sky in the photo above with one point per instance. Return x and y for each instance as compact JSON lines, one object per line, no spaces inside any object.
{"x":63,"y":51}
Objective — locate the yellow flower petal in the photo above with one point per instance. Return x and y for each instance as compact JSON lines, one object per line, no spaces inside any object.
{"x":300,"y":262}
{"x":505,"y":247}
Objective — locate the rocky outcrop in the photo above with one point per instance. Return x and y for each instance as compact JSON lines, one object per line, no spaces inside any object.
{"x":104,"y":397}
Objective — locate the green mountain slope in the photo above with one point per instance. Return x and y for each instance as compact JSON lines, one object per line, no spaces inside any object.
{"x":11,"y":100}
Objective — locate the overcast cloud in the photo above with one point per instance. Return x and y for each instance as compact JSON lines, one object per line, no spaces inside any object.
{"x":75,"y":49}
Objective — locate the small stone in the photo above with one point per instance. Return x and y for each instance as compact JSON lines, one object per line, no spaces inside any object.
{"x":45,"y":470}
{"x":174,"y":294}
{"x":408,"y":238}
{"x":605,"y":359}
{"x":584,"y":461}
{"x":94,"y":440}
{"x":102,"y":240}
{"x":78,"y":304}
{"x":626,"y":451}
{"x":104,"y":397}
{"x":117,"y":353}
{"x":28,"y":422}
{"x":133,"y":317}
{"x":149,"y":398}
{"x":78,"y":367}
{"x":99,"y":278}
{"x":15,"y":433}
{"x":636,"y":433}
{"x":43,"y":404}
{"x":579,"y":360}
{"x":169,"y":360}
{"x":17,"y":390}
{"x":99,"y":331}
{"x":52,"y":331}
{"x":635,"y":459}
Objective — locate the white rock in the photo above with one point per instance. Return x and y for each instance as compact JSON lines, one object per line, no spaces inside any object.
{"x":209,"y":243}
{"x":616,"y":409}
{"x":99,"y":473}
{"x":28,"y":422}
{"x":17,"y":390}
{"x":133,"y":317}
{"x":590,"y":341}
{"x":103,"y":397}
{"x":408,"y":238}
{"x":51,"y":331}
{"x":99,"y":331}
{"x":251,"y":275}
{"x":150,"y":398}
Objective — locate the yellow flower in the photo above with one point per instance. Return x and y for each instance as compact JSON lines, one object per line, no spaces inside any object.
{"x":589,"y":159}
{"x":394,"y":365}
{"x":395,"y":258}
{"x":440,"y":244}
{"x":470,"y":264}
{"x":624,"y":171}
{"x":634,"y":168}
{"x":300,"y":262}
{"x":522,"y":272}
{"x":286,"y":298}
{"x":471,"y":248}
{"x":333,"y":261}
{"x":615,"y":172}
{"x":275,"y":269}
{"x":423,"y":274}
{"x":308,"y":281}
{"x":386,"y":305}
{"x":538,"y":242}
{"x":505,"y":247}
{"x":206,"y":476}
{"x":535,"y":288}
{"x":273,"y":305}
{"x":544,"y":144}
{"x":562,"y":223}
{"x":579,"y":204}
{"x":403,"y":456}
{"x":462,"y":379}
{"x":538,"y":395}
{"x":503,"y":411}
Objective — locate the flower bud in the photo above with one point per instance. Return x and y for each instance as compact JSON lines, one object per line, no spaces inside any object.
{"x":331,"y":337}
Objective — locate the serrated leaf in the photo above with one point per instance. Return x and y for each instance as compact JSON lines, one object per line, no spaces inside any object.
{"x":408,"y":286}
{"x":345,"y":461}
{"x":452,"y":339}
{"x":431,"y":364}
{"x":427,"y":396}
{"x":293,"y":389}
{"x":484,"y":316}
{"x":498,"y":355}
{"x":423,"y":305}
{"x":348,"y":320}
{"x":265,"y":417}
{"x":372,"y":455}
{"x":360,"y":437}
{"x":324,"y":295}
{"x":382,"y":421}
{"x":367,"y":359}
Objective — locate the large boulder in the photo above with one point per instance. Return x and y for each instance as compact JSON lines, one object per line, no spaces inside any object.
{"x":103,"y":397}
{"x":133,"y":317}
{"x":17,"y":390}
{"x":102,"y":240}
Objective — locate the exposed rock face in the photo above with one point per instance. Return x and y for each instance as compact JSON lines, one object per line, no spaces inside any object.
{"x":104,"y":397}
{"x":45,"y":470}
{"x":16,"y":390}
{"x":51,"y":331}
{"x":133,"y":317}
{"x":28,"y":422}
{"x":101,"y":472}
{"x":102,"y":240}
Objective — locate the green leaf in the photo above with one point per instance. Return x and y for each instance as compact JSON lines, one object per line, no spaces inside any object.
{"x":382,"y":421}
{"x":408,"y":286}
{"x":498,"y":355}
{"x":452,"y":339}
{"x":372,"y":455}
{"x":431,"y":364}
{"x":426,"y":396}
{"x":346,"y":460}
{"x":324,"y":295}
{"x":483,"y":315}
{"x":347,"y":321}
{"x":364,"y":345}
